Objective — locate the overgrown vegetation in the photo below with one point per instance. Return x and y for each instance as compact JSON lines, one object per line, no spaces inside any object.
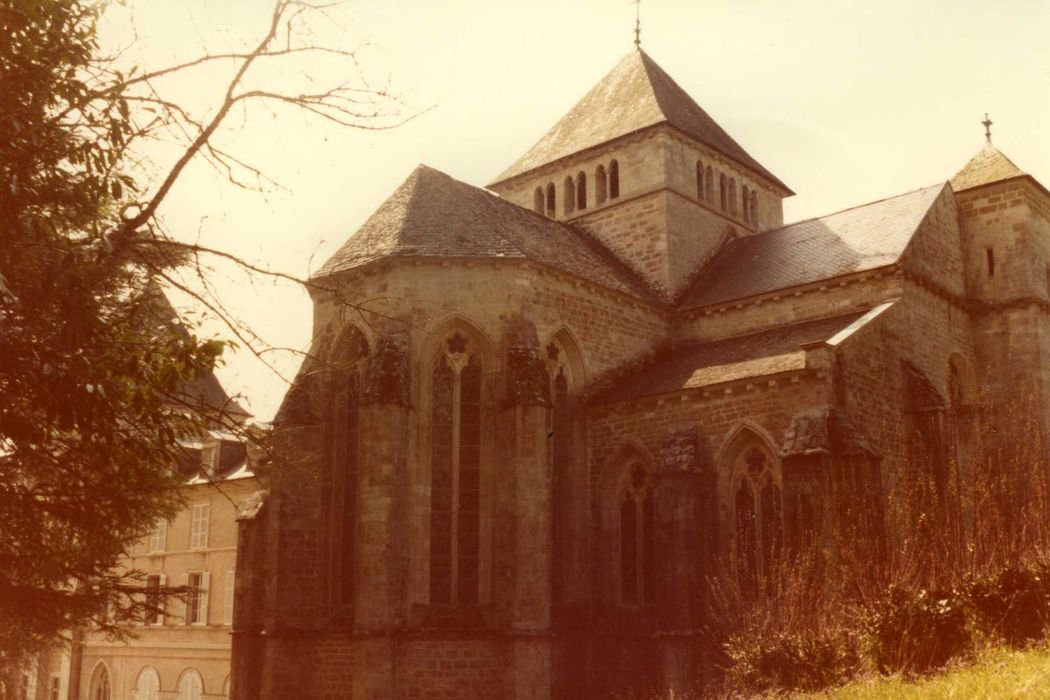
{"x":965,"y":567}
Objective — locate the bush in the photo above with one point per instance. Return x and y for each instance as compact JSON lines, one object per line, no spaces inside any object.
{"x":1012,"y":605}
{"x":798,"y":662}
{"x":917,"y":632}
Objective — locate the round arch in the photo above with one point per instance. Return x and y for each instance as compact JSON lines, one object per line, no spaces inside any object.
{"x":190,"y":685}
{"x":147,"y":685}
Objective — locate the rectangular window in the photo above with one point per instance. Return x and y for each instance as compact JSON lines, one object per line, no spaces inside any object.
{"x":227,"y":600}
{"x":54,"y":688}
{"x":197,"y":598}
{"x":152,"y":616}
{"x":210,"y":458}
{"x":158,"y":537}
{"x":199,"y":515}
{"x":990,"y":257}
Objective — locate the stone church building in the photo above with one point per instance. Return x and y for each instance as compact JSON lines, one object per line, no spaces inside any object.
{"x":537,"y":416}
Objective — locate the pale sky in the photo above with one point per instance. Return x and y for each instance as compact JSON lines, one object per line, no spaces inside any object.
{"x":845,"y":101}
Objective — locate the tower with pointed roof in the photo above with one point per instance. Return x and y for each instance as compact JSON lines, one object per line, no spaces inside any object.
{"x":643,"y":168}
{"x":537,"y":418}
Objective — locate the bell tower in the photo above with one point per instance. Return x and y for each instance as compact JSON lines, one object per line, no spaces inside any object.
{"x":644,"y":169}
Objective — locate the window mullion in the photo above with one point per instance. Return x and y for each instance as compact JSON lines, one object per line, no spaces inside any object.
{"x":457,"y":371}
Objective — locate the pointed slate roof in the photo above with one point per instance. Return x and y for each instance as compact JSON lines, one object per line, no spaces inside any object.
{"x":432,"y":215}
{"x":634,"y":95}
{"x":862,"y":238}
{"x":988,"y":166}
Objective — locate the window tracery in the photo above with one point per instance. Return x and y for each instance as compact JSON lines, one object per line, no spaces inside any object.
{"x":757,"y":513}
{"x":637,"y":561}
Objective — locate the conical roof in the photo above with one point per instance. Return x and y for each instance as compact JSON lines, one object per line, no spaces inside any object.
{"x":988,"y":166}
{"x":432,"y":215}
{"x":635,"y":95}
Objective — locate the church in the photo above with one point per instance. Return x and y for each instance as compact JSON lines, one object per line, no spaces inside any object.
{"x":536,"y":417}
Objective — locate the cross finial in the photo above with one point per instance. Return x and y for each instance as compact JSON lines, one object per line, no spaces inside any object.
{"x":637,"y":23}
{"x":987,"y":127}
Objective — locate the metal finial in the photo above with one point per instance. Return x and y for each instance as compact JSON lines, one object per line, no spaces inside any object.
{"x":637,"y":23}
{"x":987,"y":127}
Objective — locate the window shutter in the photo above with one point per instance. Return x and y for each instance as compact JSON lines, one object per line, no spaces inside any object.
{"x":204,"y":594}
{"x":184,"y":580}
{"x":227,"y":601}
{"x":160,"y":615}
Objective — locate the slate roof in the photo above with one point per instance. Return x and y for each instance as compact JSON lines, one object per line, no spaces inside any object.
{"x":433,"y":215}
{"x":634,"y":95}
{"x":862,"y":238}
{"x":752,"y":355}
{"x":988,"y":166}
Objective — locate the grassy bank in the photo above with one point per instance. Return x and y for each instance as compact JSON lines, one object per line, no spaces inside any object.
{"x":996,"y":674}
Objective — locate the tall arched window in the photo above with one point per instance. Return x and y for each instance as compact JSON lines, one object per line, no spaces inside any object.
{"x":757,"y":513}
{"x":746,"y":209}
{"x":723,"y":192}
{"x":581,"y":190}
{"x":190,"y":685}
{"x":709,"y":187}
{"x":614,"y":180}
{"x":753,"y":208}
{"x":350,"y":359}
{"x":148,"y":685}
{"x":602,"y":183}
{"x":569,"y":195}
{"x":537,"y":200}
{"x":562,"y":432}
{"x":100,"y":688}
{"x":551,"y":199}
{"x":732,"y":196}
{"x":455,"y":496}
{"x":637,"y":561}
{"x":700,"y":174}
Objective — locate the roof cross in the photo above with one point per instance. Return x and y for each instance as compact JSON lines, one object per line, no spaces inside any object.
{"x":987,"y":127}
{"x":637,"y":22}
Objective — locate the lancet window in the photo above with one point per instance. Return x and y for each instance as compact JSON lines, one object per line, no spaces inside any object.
{"x":569,"y":198}
{"x":757,"y":510}
{"x":602,"y":184}
{"x":561,"y":453}
{"x":637,"y":560}
{"x":581,"y":191}
{"x":350,"y":363}
{"x":537,"y":200}
{"x":455,"y":503}
{"x":614,"y":179}
{"x":551,"y":199}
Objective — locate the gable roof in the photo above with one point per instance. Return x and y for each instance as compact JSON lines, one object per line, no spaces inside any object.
{"x":763,"y":353}
{"x":634,"y":95}
{"x":988,"y":166}
{"x":431,"y":215}
{"x":862,"y":238}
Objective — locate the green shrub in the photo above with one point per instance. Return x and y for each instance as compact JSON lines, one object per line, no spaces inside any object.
{"x":1013,"y":605}
{"x":792,"y":661}
{"x":917,"y":632}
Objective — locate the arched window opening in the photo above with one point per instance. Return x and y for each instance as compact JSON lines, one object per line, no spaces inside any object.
{"x":759,"y":524}
{"x":569,"y":198}
{"x":753,"y":208}
{"x":746,"y":210}
{"x":148,"y":685}
{"x":732,"y":196}
{"x":455,"y":503}
{"x":601,"y":183}
{"x":551,"y":197}
{"x":700,"y":189}
{"x":709,"y":187}
{"x":350,"y":362}
{"x":614,"y":180}
{"x":723,"y":192}
{"x":581,"y":191}
{"x":562,"y":431}
{"x":190,"y":686}
{"x":100,"y":688}
{"x":537,"y":200}
{"x":637,"y":560}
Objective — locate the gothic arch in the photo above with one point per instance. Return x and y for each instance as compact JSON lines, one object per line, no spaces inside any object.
{"x":100,"y":687}
{"x":454,"y":503}
{"x":346,"y":339}
{"x":617,"y":499}
{"x":565,"y":339}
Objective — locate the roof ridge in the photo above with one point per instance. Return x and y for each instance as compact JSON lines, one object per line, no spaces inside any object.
{"x":846,"y":209}
{"x":778,"y":328}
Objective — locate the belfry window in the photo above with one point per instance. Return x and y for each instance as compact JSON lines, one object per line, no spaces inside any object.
{"x":455,"y":495}
{"x":614,"y":180}
{"x":746,"y":208}
{"x":581,"y":191}
{"x":637,"y":560}
{"x":700,"y":175}
{"x":551,"y":198}
{"x":732,"y":196}
{"x":569,"y":199}
{"x":601,"y":184}
{"x":537,"y":200}
{"x":709,"y":187}
{"x":757,"y":509}
{"x":752,"y":205}
{"x":723,"y":192}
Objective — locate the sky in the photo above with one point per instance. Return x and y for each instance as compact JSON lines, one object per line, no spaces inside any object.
{"x":846,"y":102}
